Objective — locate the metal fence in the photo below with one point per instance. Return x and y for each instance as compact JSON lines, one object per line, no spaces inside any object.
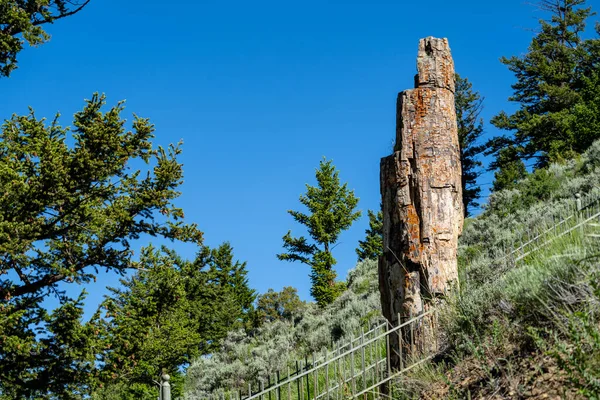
{"x":358,"y":368}
{"x":585,"y":211}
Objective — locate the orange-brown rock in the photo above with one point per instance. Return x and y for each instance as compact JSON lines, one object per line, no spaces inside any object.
{"x":421,"y":195}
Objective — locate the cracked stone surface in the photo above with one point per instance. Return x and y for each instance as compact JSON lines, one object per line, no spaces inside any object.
{"x":421,"y":196}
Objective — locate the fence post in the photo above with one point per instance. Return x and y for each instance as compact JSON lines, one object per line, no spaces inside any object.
{"x":579,"y":206}
{"x":165,"y":387}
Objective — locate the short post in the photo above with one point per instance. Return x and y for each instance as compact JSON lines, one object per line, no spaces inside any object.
{"x":578,"y":215}
{"x":578,"y":201}
{"x":165,"y":387}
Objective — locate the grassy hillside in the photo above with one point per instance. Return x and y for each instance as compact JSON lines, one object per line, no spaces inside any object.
{"x":512,"y":330}
{"x":525,"y":329}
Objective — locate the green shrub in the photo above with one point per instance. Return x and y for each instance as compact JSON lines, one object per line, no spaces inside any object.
{"x":579,"y":354}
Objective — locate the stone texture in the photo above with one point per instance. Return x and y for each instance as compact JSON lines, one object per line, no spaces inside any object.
{"x":435,"y":65}
{"x":421,"y":197}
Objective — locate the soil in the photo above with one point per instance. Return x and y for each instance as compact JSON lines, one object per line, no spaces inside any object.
{"x":520,"y":376}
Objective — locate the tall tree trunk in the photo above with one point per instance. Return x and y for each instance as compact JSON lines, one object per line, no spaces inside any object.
{"x":422,"y":200}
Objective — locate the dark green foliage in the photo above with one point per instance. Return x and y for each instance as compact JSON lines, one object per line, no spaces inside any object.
{"x":54,"y":360}
{"x":237,"y":306}
{"x":71,"y":206}
{"x":540,"y":186}
{"x":557,"y":89}
{"x":168,"y":313}
{"x":20,"y":22}
{"x":137,"y":391}
{"x":510,"y":169}
{"x":469,"y":105}
{"x":275,"y":306}
{"x":372,"y":247}
{"x":331,"y":210}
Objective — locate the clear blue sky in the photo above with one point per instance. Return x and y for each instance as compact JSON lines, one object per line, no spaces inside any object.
{"x":259,"y":92}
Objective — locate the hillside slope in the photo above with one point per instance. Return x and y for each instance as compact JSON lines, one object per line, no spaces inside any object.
{"x":518,"y":331}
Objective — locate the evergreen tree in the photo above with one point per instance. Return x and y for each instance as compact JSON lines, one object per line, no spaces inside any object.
{"x":372,"y":247}
{"x":147,"y":326}
{"x":556,"y":80}
{"x":170,"y":312}
{"x":230,"y":276}
{"x":469,"y":105}
{"x":331,"y":210}
{"x":71,"y":206}
{"x":509,"y":170}
{"x":285,"y":305}
{"x":21,"y":21}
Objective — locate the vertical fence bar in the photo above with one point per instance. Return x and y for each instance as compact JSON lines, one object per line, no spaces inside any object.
{"x":315,"y":378}
{"x":352,"y":366}
{"x":412,"y":341}
{"x":376,"y":348}
{"x":278,"y":379}
{"x":289,"y":383}
{"x":326,"y":374}
{"x":307,"y":387}
{"x":437,"y":321}
{"x":341,"y":378}
{"x":269,"y":385}
{"x":307,"y":379}
{"x":380,"y":350}
{"x":400,"y":349}
{"x":335,"y":371}
{"x":299,"y":381}
{"x":344,"y":366}
{"x":371,"y":349}
{"x":387,"y":344}
{"x":362,"y":359}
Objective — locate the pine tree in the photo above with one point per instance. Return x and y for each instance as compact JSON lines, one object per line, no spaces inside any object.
{"x":230,"y":277}
{"x":147,"y":325}
{"x":71,"y":206}
{"x":21,"y":21}
{"x":331,"y":210}
{"x":170,"y":312}
{"x":509,"y":170}
{"x":554,"y":80}
{"x":469,"y":105}
{"x":372,"y":247}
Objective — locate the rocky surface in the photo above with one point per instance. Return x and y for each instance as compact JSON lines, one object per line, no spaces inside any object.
{"x":421,"y":195}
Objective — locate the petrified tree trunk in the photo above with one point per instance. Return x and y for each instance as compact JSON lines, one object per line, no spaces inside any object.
{"x":422,"y":200}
